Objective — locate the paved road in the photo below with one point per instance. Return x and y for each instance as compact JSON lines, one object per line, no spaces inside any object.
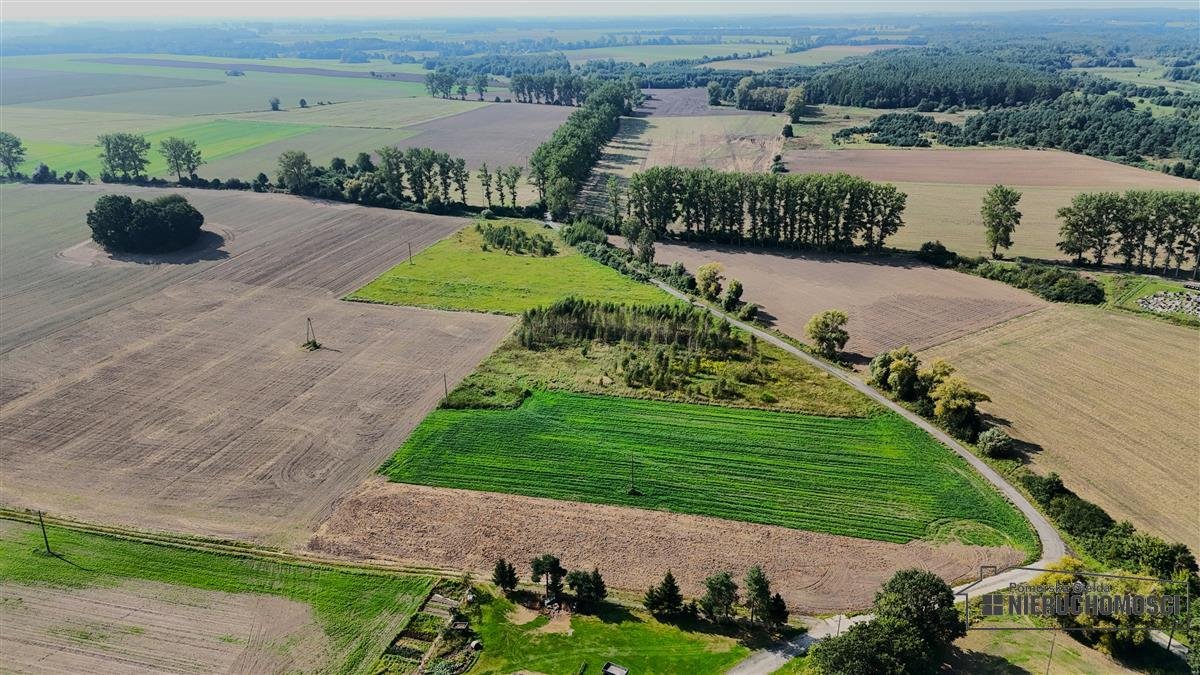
{"x":1053,"y":548}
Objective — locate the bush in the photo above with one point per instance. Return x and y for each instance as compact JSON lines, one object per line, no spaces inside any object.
{"x":1052,"y":283}
{"x":583,"y":230}
{"x":164,"y":224}
{"x":935,"y":253}
{"x":487,"y":214}
{"x":995,"y":443}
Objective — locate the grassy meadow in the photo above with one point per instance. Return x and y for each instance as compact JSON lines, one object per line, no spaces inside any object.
{"x":629,"y":637}
{"x":809,"y":57}
{"x":655,"y":53}
{"x":458,"y":274}
{"x":360,"y":611}
{"x":876,"y":478}
{"x":778,"y":382}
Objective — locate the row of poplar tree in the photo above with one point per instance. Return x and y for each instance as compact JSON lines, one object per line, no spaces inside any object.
{"x":829,"y":211}
{"x":1138,"y":226}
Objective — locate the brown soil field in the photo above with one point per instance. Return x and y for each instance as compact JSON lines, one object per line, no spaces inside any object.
{"x":265,"y":239}
{"x":946,"y":186}
{"x":982,"y":166}
{"x":891,"y":301}
{"x":816,"y":573}
{"x":685,"y":103}
{"x":1108,"y":400}
{"x":259,"y":67}
{"x":497,"y":134}
{"x":175,"y":395}
{"x":145,"y":627}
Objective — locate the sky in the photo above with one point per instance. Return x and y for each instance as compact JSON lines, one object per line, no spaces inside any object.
{"x":91,"y":10}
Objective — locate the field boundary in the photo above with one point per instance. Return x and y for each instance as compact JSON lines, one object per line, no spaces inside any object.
{"x":222,"y":546}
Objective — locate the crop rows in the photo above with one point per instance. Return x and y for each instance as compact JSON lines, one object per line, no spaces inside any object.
{"x":876,"y":478}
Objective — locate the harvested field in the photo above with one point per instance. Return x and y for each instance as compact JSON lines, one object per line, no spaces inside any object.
{"x":816,"y":573}
{"x":260,"y":437}
{"x":891,"y":301}
{"x":270,"y":239}
{"x":153,"y":627}
{"x":690,"y":102}
{"x":656,"y":53}
{"x":983,"y":166}
{"x":496,"y":134}
{"x":1107,"y":399}
{"x":946,"y":186}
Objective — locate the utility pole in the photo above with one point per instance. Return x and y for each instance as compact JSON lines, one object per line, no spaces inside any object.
{"x":445,"y":387}
{"x":1051,"y":657}
{"x":410,"y":261}
{"x":45,"y":539}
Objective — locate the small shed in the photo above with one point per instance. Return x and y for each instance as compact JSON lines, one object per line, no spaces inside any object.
{"x":460,"y":625}
{"x":611,"y":668}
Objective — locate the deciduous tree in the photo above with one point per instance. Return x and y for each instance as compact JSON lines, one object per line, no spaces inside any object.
{"x":1000,"y":216}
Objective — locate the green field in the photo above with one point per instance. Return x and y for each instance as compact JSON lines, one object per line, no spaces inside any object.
{"x":878,"y":477}
{"x":217,"y":139}
{"x":629,"y":637}
{"x":457,"y":274}
{"x":1148,"y":73}
{"x":360,"y":611}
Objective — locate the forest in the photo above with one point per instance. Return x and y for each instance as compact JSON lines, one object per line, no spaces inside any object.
{"x":827,"y":211}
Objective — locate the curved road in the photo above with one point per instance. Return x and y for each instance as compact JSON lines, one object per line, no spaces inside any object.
{"x":1053,"y":546}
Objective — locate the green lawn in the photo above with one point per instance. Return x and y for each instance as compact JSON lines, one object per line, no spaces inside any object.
{"x":878,"y":477}
{"x":630,"y":638}
{"x":457,"y":274}
{"x":360,"y":611}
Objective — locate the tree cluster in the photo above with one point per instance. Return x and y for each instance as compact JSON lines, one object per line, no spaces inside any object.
{"x":514,"y":240}
{"x":502,"y":182}
{"x":1137,"y":226}
{"x":944,"y":78}
{"x":554,"y":88}
{"x":826,"y":211}
{"x":572,"y":320}
{"x":915,"y":623}
{"x":168,"y":223}
{"x":935,"y":391}
{"x":588,"y":588}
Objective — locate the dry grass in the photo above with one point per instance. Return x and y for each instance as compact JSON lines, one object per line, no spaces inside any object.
{"x":1110,"y":399}
{"x":816,"y":573}
{"x":808,"y":57}
{"x":890,"y":301}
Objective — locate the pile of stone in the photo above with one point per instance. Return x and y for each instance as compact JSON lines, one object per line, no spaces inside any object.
{"x":1172,"y":302}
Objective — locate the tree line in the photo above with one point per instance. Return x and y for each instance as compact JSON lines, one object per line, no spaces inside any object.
{"x":1137,"y":226}
{"x":828,"y":211}
{"x":559,"y":166}
{"x":1101,"y":126}
{"x":935,"y":391}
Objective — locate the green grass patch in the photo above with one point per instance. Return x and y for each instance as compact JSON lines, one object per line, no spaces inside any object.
{"x":630,"y":638}
{"x":877,"y":477}
{"x":1122,"y":291}
{"x":217,"y":139}
{"x":773,"y":380}
{"x":360,"y":611}
{"x":457,"y":274}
